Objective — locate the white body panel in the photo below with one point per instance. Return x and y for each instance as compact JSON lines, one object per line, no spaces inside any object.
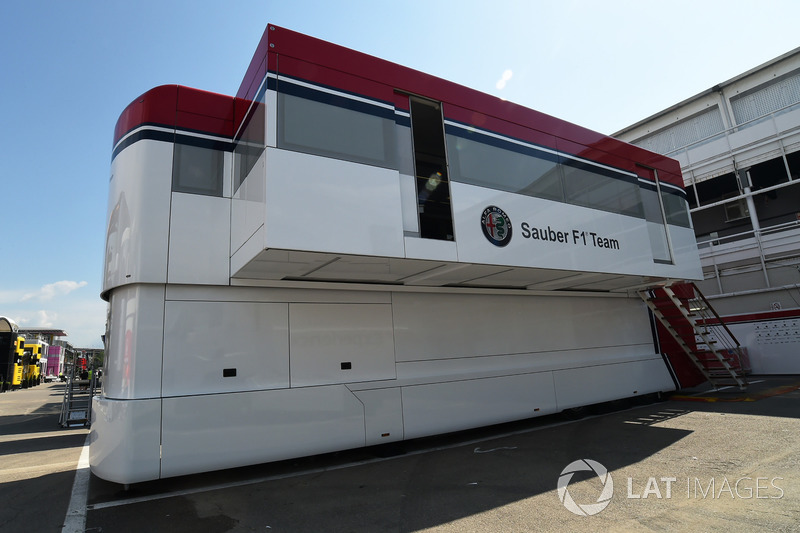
{"x":577,"y":253}
{"x":318,"y":204}
{"x":444,"y":326}
{"x":138,"y":215}
{"x":210,"y":432}
{"x":126,"y":439}
{"x":421,"y":364}
{"x":452,"y":406}
{"x":341,"y":343}
{"x":586,"y":385}
{"x":247,"y":211}
{"x":575,"y":245}
{"x":135,"y":339}
{"x":332,"y":206}
{"x":383,"y":414}
{"x":202,"y":339}
{"x":199,"y":247}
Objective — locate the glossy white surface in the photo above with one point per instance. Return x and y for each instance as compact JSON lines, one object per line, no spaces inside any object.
{"x":439,"y":326}
{"x":311,"y":204}
{"x":602,"y":382}
{"x":431,"y":249}
{"x":285,"y":294}
{"x":247,"y":209}
{"x":133,"y":357}
{"x":408,"y":199}
{"x":137,"y":223}
{"x":199,"y":248}
{"x":250,"y":254}
{"x":442,"y":407}
{"x":578,"y":252}
{"x":321,"y":204}
{"x":323,"y":336}
{"x":125,"y":440}
{"x":383,"y":415}
{"x":201,"y":339}
{"x":582,"y":247}
{"x":687,"y":257}
{"x":455,"y":369}
{"x":463,"y":360}
{"x":202,"y":433}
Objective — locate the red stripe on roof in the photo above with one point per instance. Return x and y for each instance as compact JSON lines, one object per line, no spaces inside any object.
{"x":175,"y":106}
{"x":328,"y":64}
{"x":320,"y":62}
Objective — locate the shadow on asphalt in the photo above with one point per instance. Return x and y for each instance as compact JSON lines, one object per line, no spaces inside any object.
{"x":434,"y":480}
{"x":40,"y":444}
{"x":414,"y":485}
{"x":24,"y":514}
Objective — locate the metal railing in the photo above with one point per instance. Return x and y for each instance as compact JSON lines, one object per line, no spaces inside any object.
{"x":727,"y":132}
{"x":717,"y":333}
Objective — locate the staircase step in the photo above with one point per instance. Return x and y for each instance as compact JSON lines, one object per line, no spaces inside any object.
{"x":730,"y":383}
{"x":690,"y":323}
{"x":725,"y":375}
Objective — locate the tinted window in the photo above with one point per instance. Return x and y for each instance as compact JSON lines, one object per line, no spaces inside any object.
{"x":319,"y":128}
{"x":197,"y":170}
{"x":496,"y":168}
{"x":250,"y":142}
{"x":585,"y":186}
{"x":675,"y":209}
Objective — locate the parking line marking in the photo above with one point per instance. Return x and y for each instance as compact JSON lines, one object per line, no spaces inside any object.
{"x":75,"y":521}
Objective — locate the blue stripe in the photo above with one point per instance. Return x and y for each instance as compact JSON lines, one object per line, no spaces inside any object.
{"x":475,"y":135}
{"x":174,"y":137}
{"x":402,"y":120}
{"x":668,"y":189}
{"x":316,"y":95}
{"x":532,"y":151}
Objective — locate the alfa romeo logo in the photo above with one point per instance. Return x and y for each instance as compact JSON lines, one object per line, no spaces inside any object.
{"x":586,"y":509}
{"x":496,"y":226}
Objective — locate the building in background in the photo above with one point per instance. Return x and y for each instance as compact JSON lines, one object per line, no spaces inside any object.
{"x":738,"y":145}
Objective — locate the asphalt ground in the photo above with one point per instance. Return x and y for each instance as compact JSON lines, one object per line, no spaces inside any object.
{"x":703,"y":460}
{"x":38,"y":459}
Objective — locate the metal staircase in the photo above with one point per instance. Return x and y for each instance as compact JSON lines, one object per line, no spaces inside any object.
{"x":76,"y":408}
{"x":701,"y":333}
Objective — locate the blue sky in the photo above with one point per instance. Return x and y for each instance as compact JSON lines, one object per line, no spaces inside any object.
{"x":68,"y":68}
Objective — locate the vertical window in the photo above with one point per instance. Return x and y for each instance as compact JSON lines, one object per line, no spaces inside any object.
{"x":250,"y":141}
{"x":655,"y":217}
{"x":675,"y":208}
{"x":430,"y":162}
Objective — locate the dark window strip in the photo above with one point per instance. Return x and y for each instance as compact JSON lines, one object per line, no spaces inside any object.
{"x":172,"y":137}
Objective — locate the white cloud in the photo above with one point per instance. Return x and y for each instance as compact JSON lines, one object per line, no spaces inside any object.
{"x":51,"y":290}
{"x":81,"y":314}
{"x":46,"y":319}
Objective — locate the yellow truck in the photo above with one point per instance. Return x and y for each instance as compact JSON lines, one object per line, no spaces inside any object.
{"x":33,"y":356}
